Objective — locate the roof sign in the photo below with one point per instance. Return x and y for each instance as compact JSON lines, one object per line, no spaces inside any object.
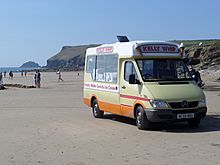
{"x":159,"y":48}
{"x":108,"y":49}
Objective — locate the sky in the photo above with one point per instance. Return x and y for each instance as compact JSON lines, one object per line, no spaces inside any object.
{"x":35,"y":30}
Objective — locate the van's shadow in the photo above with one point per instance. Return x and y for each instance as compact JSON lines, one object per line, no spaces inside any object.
{"x":210,"y":123}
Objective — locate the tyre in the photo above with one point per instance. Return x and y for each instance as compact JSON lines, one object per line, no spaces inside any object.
{"x":97,"y":113}
{"x":194,"y":122}
{"x":141,"y":119}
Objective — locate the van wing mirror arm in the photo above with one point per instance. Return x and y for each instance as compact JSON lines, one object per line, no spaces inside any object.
{"x":138,"y":81}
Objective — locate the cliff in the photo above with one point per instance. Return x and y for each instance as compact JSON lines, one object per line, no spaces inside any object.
{"x":203,"y":53}
{"x":69,"y":57}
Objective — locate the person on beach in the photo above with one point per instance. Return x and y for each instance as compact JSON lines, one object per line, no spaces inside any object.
{"x":25,"y":73}
{"x":37,"y":79}
{"x":4,"y":74}
{"x":59,"y":76}
{"x":196,"y":76}
{"x":1,"y":80}
{"x":10,"y":75}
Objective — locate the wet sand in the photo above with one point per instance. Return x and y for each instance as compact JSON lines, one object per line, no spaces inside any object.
{"x":51,"y":126}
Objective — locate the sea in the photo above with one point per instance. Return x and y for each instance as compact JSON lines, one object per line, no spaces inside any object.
{"x":15,"y":69}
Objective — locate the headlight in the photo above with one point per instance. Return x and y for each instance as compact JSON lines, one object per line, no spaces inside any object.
{"x":159,"y":104}
{"x":202,"y":102}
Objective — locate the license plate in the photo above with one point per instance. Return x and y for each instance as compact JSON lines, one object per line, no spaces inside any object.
{"x":185,"y":116}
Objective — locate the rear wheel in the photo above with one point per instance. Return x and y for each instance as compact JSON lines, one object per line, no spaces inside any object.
{"x":194,"y":122}
{"x":97,"y":113}
{"x":141,"y":119}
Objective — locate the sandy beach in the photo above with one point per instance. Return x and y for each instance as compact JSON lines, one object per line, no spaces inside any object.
{"x":51,"y":126}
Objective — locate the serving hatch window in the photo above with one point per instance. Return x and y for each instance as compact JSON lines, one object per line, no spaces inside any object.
{"x":104,"y":68}
{"x":111,"y":69}
{"x":91,"y":62}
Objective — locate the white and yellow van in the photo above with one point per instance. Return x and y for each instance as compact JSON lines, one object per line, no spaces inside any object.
{"x":145,"y":80}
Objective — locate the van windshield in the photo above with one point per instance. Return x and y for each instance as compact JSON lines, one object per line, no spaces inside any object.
{"x":163,"y":70}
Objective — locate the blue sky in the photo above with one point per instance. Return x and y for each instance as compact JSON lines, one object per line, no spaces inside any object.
{"x":37,"y":29}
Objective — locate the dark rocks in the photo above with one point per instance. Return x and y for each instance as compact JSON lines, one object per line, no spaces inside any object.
{"x":19,"y":86}
{"x":2,"y":87}
{"x":206,"y":55}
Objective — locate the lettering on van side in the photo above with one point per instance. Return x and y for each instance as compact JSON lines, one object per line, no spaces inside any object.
{"x":107,"y":49}
{"x":102,"y":87}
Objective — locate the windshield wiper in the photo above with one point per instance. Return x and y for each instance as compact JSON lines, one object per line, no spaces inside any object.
{"x":169,"y":79}
{"x":185,"y":79}
{"x":150,"y":80}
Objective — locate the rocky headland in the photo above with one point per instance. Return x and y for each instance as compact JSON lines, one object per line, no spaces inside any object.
{"x":30,"y":64}
{"x":204,"y":55}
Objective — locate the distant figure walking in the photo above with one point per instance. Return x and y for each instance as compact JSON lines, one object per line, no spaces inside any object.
{"x":1,"y":80}
{"x":25,"y":73}
{"x":37,"y":79}
{"x":10,"y":75}
{"x":4,"y":74}
{"x":59,"y":76}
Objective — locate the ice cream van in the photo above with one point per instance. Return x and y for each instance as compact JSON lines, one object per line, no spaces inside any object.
{"x":144,"y":80}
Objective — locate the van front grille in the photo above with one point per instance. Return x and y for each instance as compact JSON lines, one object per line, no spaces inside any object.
{"x":180,"y":105}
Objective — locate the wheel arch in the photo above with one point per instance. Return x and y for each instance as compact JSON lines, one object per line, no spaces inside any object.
{"x":136,"y":104}
{"x":92,"y":99}
{"x":135,"y":108}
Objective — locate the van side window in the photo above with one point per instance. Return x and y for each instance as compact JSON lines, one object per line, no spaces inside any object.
{"x":129,"y":69}
{"x":100,"y":70}
{"x":111,"y":68}
{"x":91,"y":63}
{"x":103,"y":68}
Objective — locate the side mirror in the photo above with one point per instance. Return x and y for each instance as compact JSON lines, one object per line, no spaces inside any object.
{"x":132,"y":79}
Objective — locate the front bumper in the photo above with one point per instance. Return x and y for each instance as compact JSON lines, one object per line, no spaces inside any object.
{"x":171,"y":115}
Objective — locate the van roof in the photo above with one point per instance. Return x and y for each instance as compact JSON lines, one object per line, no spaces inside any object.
{"x":137,"y":48}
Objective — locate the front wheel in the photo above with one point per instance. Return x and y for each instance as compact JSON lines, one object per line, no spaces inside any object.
{"x":97,"y":113}
{"x":141,"y":119}
{"x":194,"y":122}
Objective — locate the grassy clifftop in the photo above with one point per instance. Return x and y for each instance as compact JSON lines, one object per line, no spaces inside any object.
{"x":190,"y":43}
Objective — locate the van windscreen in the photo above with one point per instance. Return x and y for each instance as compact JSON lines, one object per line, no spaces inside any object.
{"x":163,"y":70}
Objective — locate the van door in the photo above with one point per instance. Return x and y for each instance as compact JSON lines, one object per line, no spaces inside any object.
{"x":128,"y":92}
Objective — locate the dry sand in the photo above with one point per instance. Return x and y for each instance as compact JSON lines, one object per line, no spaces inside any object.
{"x":51,"y":126}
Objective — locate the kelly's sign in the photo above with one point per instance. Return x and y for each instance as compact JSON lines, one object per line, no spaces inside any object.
{"x":159,"y":48}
